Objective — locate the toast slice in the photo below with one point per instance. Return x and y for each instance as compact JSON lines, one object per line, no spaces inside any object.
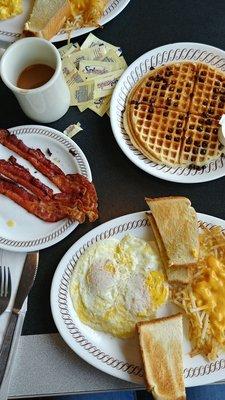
{"x":177,"y":274}
{"x":161,"y":343}
{"x":177,"y":226}
{"x":47,"y":18}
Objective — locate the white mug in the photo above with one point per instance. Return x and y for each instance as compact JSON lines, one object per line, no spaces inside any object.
{"x":46,"y":103}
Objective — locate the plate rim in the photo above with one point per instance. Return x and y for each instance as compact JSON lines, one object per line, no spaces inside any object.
{"x":116,"y":5}
{"x":69,"y":226}
{"x":194,"y":376}
{"x":130,"y":153}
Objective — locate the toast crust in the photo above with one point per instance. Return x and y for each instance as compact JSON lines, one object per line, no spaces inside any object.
{"x":175,"y":220}
{"x":53,"y":26}
{"x":161,"y":343}
{"x":178,"y":274}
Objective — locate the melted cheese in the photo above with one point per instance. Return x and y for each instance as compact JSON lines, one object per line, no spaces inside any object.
{"x":209,"y":294}
{"x":78,"y":6}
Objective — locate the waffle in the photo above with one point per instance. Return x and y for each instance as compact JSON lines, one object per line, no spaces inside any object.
{"x":200,"y":144}
{"x":209,"y":93}
{"x":172,"y":114}
{"x":168,"y":87}
{"x":157,"y":132}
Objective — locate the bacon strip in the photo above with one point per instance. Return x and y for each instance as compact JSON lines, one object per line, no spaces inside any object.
{"x":12,"y":170}
{"x":34,"y":156}
{"x":81,"y":192}
{"x":71,"y":209}
{"x":45,"y":210}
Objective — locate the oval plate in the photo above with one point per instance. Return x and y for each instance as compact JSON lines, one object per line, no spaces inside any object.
{"x":163,"y":55}
{"x":11,"y":29}
{"x":28,"y":232}
{"x":118,"y":357}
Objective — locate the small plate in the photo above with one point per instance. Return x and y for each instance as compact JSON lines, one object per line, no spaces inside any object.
{"x":11,"y":29}
{"x":28,"y":232}
{"x":119,"y":357}
{"x":163,"y":55}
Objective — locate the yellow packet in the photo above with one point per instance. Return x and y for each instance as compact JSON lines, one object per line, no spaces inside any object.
{"x":66,"y":50}
{"x":95,"y":68}
{"x":94,"y":53}
{"x":105,"y":84}
{"x":111,"y":56}
{"x":74,"y":78}
{"x":82,"y":93}
{"x":67,"y":67}
{"x":83,"y":107}
{"x":92,"y":41}
{"x":122,"y":63}
{"x":72,"y":130}
{"x":100,"y":106}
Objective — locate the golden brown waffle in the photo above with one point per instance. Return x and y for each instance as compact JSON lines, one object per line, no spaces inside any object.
{"x":157,"y":132}
{"x":167,"y":87}
{"x":172,"y":114}
{"x":200,"y":141}
{"x":209,"y":93}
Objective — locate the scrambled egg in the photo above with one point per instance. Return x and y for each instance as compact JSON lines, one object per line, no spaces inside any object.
{"x":10,"y":8}
{"x":116,"y":284}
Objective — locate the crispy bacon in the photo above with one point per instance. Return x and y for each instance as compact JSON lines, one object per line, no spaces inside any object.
{"x":78,"y":192}
{"x":34,"y":156}
{"x":47,"y":211}
{"x":16,"y":172}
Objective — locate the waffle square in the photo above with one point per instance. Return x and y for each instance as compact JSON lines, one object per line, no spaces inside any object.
{"x":156,"y":132}
{"x":209,"y":93}
{"x":172,"y":114}
{"x":200,"y":142}
{"x":168,"y":87}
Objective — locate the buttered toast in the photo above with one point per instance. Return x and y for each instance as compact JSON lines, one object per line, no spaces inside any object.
{"x":161,"y":343}
{"x":47,"y":18}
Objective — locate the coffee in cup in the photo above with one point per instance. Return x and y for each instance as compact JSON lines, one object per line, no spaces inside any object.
{"x":32,"y":69}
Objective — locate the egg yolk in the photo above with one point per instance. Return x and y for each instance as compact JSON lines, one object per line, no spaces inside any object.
{"x":158,"y":288}
{"x":209,"y":293}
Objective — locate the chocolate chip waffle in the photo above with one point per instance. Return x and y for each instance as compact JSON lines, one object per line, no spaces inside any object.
{"x":172,"y":114}
{"x":167,"y":87}
{"x":200,"y":142}
{"x":209,"y":93}
{"x":158,"y":132}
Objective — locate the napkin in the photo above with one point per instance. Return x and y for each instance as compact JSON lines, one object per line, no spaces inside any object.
{"x":15,"y":262}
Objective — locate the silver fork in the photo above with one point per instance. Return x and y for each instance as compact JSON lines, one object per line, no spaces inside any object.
{"x":5,"y":288}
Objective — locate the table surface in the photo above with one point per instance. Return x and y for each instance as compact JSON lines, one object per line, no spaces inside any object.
{"x":121,"y":186}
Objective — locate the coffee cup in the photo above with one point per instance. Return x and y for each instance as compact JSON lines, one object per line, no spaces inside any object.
{"x":48,"y":102}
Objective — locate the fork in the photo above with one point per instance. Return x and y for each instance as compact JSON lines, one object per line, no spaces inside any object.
{"x":5,"y":288}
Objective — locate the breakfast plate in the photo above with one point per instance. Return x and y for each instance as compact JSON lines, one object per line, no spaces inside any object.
{"x":11,"y":29}
{"x":20,"y":230}
{"x":161,"y":56}
{"x":119,"y":357}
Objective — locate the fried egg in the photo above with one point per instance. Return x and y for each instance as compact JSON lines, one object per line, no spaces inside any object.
{"x":117,"y":283}
{"x":10,"y":8}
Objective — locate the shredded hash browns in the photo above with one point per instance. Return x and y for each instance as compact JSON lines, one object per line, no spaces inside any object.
{"x":203,"y":300}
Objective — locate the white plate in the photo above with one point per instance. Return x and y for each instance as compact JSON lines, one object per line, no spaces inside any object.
{"x":31,"y":233}
{"x":154,"y":58}
{"x":11,"y":29}
{"x":118,"y":357}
